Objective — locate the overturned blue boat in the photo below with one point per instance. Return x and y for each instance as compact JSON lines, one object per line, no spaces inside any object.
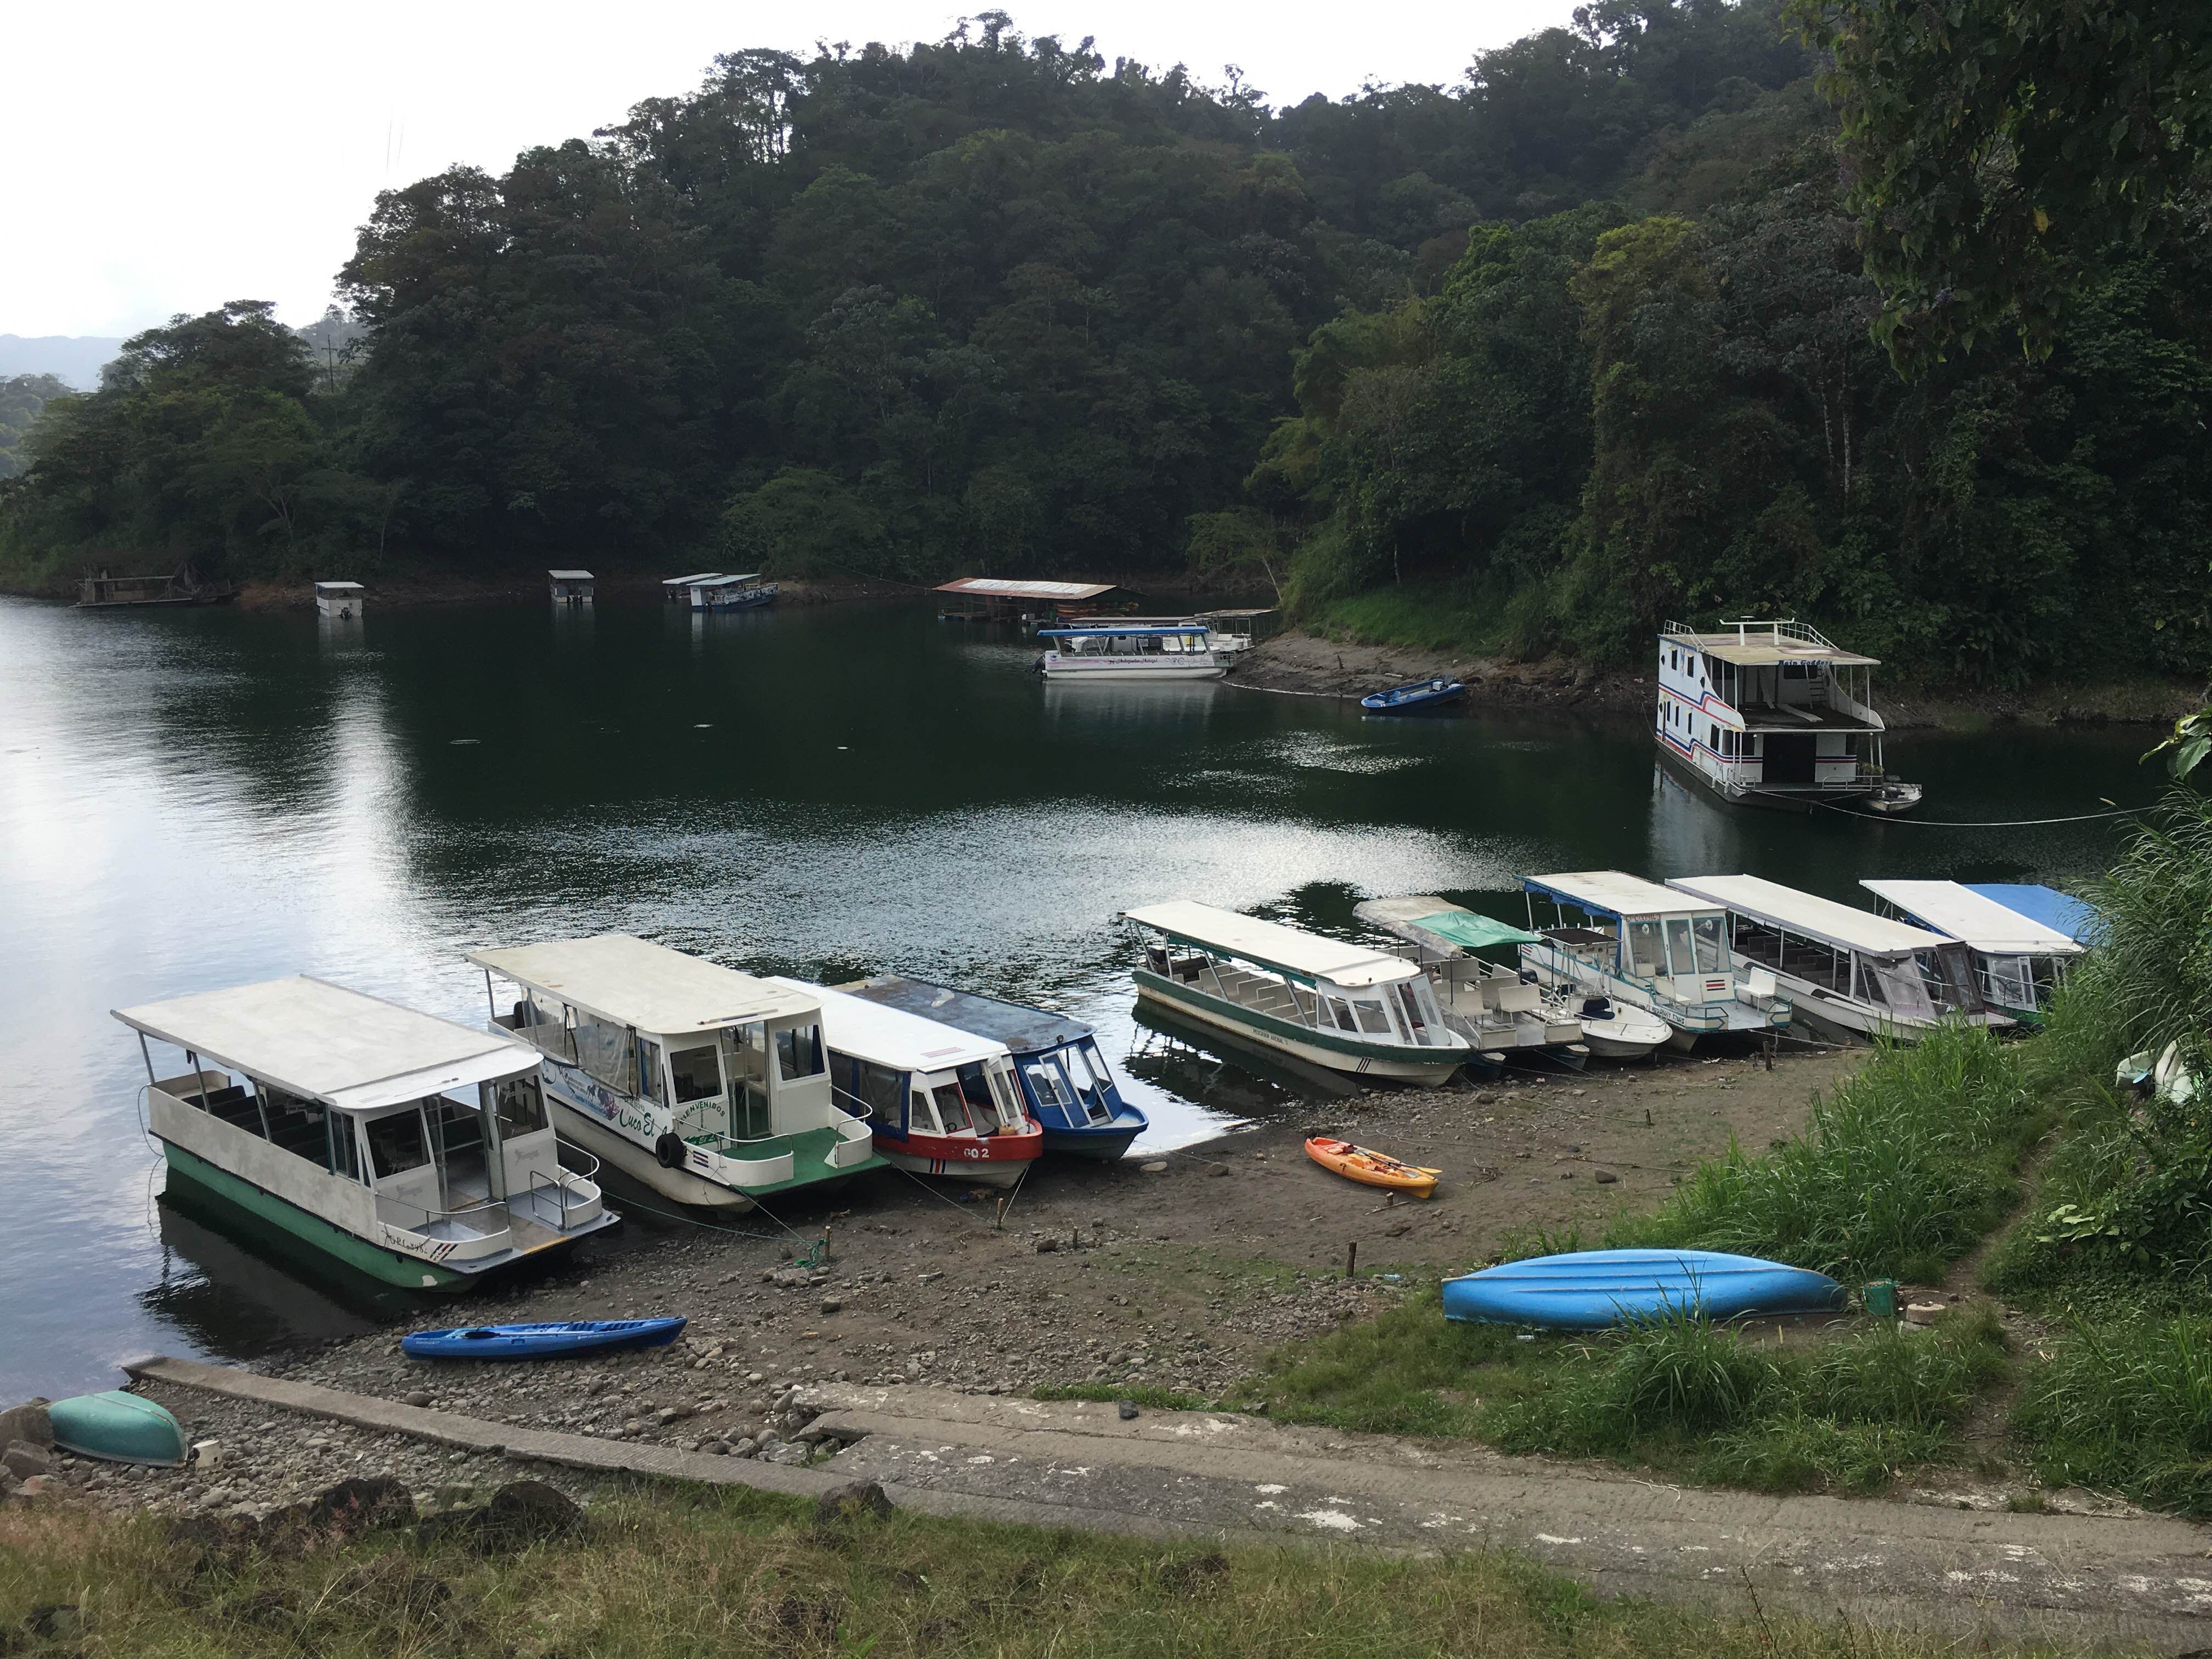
{"x":1411,"y":698}
{"x":1592,"y":1290}
{"x":560,"y":1340}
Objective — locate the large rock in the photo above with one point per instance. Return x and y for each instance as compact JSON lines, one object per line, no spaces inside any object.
{"x":525,"y":1512}
{"x":850,"y":1502}
{"x":22,"y":1460}
{"x":29,"y":1423}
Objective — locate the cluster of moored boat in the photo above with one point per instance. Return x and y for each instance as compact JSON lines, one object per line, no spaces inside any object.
{"x":425,"y":1152}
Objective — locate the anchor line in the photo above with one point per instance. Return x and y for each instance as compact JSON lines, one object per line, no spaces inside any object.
{"x":1977,"y":824}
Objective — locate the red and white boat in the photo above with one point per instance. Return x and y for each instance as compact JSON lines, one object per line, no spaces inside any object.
{"x":940,"y":1101}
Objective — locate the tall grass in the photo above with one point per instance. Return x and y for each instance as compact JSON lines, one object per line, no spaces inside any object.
{"x":2127,"y":1407}
{"x":1910,"y":1162}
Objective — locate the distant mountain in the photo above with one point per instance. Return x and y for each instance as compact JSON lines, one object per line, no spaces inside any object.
{"x":73,"y":357}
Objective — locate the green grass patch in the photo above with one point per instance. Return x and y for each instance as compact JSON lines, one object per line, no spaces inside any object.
{"x":1443,"y":617}
{"x":677,"y":1574}
{"x":2126,"y":1406}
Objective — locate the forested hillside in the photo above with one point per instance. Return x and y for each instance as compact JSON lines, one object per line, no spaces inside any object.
{"x":993,"y":304}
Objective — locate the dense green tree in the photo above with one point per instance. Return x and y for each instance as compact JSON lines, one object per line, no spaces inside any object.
{"x":21,"y":398}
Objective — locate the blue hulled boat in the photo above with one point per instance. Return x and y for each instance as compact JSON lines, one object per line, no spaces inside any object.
{"x":558,"y":1341}
{"x":1065,"y":1084}
{"x":1411,"y":699}
{"x":1590,"y":1290}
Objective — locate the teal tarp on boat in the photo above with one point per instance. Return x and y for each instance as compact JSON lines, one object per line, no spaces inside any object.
{"x":1471,"y":930}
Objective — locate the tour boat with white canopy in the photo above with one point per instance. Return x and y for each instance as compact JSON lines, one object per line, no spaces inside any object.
{"x":1772,"y":714}
{"x":678,"y":588}
{"x":721,"y":592}
{"x":410,"y":1147}
{"x":1133,"y":650}
{"x":1847,"y":969}
{"x":2018,"y":961}
{"x":943,"y":1102}
{"x":1623,"y":940}
{"x":706,"y":1085}
{"x":1351,"y":1008}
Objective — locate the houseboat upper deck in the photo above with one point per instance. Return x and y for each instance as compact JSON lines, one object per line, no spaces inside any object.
{"x":414,"y":1149}
{"x":1772,"y":713}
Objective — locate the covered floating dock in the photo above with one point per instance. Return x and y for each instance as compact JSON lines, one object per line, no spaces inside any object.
{"x":990,"y":599}
{"x":571,"y":587}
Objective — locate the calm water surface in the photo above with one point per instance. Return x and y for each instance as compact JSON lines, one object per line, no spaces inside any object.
{"x":208,"y":798}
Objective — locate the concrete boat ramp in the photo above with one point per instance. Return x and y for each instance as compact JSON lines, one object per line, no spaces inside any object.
{"x":2123,"y":1581}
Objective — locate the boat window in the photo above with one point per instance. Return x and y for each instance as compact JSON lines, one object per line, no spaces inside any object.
{"x":799,"y":1052}
{"x":1411,"y":1010}
{"x":1002,"y":1090}
{"x":1373,"y":1017}
{"x":1678,"y":935}
{"x":1171,"y":642}
{"x":344,"y":1157}
{"x":460,"y":1128}
{"x":698,"y":1073}
{"x":922,"y":1112}
{"x":1712,"y":949}
{"x":521,"y":1106}
{"x":1045,"y":1083}
{"x":396,"y":1144}
{"x":648,"y":1071}
{"x":952,"y":1108}
{"x":879,"y":1090}
{"x":1342,"y":1011}
{"x":608,"y":1051}
{"x":1646,"y":948}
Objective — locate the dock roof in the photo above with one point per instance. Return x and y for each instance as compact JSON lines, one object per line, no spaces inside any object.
{"x":724,"y":581}
{"x":891,"y":1037}
{"x":349,"y":1050}
{"x":1024,"y":1030}
{"x":1952,"y":908}
{"x":992,"y":587}
{"x":685,"y":581}
{"x":571,"y":575}
{"x":1847,"y":925}
{"x":1615,"y":893}
{"x":633,"y":981}
{"x":337,"y":587}
{"x":1273,"y":944}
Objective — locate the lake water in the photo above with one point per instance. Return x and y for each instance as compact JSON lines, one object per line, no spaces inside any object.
{"x":208,"y":798}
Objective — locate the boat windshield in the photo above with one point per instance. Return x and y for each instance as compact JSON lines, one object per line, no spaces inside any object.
{"x":1647,"y":949}
{"x":698,"y":1073}
{"x":396,"y":1144}
{"x":1373,"y":1017}
{"x":953,"y":1109}
{"x":1045,"y":1083}
{"x":1713,"y":950}
{"x":520,"y":1105}
{"x":799,"y":1052}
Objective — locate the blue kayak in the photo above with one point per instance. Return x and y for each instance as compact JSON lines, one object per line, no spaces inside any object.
{"x":557,"y":1342}
{"x":1404,"y":699}
{"x":1590,"y":1290}
{"x":118,"y":1427}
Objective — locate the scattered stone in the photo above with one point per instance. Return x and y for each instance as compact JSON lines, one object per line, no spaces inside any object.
{"x":1217,"y":1172}
{"x":850,"y":1502}
{"x":832,"y":1304}
{"x":1606,"y":1178}
{"x":418,"y":1397}
{"x":28,"y":1423}
{"x":56,"y":1621}
{"x":1048,"y":1246}
{"x":1129,"y":1410}
{"x":36,"y":1487}
{"x":1157,"y":1166}
{"x":22,"y":1460}
{"x":716,"y":1448}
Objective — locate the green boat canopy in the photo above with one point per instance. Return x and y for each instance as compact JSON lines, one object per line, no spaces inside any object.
{"x":1471,"y":930}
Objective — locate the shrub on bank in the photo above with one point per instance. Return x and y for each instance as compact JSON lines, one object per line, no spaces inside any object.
{"x":2129,"y":1407}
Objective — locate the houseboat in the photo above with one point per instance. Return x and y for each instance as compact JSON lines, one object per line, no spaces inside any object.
{"x":1771,"y":713}
{"x":1117,"y":651}
{"x":942,"y":1102}
{"x":1349,"y":1008}
{"x":1065,"y":1082}
{"x":571,"y":587}
{"x":2018,"y":962}
{"x":678,"y":588}
{"x":704,"y":1083}
{"x":343,"y":600}
{"x":1847,"y":971}
{"x":1618,"y":938}
{"x":406,"y":1147}
{"x":732,"y":593}
{"x":1229,"y":634}
{"x":1507,"y":1017}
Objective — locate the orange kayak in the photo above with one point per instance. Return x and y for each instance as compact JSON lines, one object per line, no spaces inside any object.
{"x":1376,"y":1168}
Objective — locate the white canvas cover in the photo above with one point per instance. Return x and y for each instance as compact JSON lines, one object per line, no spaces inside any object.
{"x":632,"y":982}
{"x":1806,"y":913}
{"x":1980,"y":922}
{"x":1274,"y":944}
{"x":1616,"y":892}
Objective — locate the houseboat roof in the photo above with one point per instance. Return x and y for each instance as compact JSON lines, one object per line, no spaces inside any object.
{"x":1273,"y":944}
{"x":1427,"y":920}
{"x":1024,"y":1030}
{"x":2061,"y":912}
{"x":337,"y":587}
{"x":1761,"y":644}
{"x":1614,"y":893}
{"x":990,"y":588}
{"x":685,"y":581}
{"x":1094,"y":631}
{"x":571,"y":575}
{"x":633,"y":981}
{"x":726,"y":581}
{"x":1777,"y":906}
{"x":1952,"y":908}
{"x":891,"y":1037}
{"x":348,"y":1050}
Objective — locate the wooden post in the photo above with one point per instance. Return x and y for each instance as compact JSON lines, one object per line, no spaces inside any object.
{"x":1351,"y":1257}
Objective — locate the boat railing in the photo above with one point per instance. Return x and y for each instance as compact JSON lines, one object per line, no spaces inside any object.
{"x":559,"y":1180}
{"x":431,"y":1217}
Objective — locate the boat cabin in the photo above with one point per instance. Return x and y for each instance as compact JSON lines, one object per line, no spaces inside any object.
{"x":943,"y":1102}
{"x":1772,"y":713}
{"x":2018,"y":962}
{"x":1123,"y":651}
{"x":339,"y":599}
{"x":1345,"y":1006}
{"x":678,"y":588}
{"x":1606,"y":934}
{"x":411,"y":1147}
{"x":1846,"y":969}
{"x":1065,"y":1082}
{"x":1491,"y":1005}
{"x":709,"y":1086}
{"x":571,"y":587}
{"x":731,"y":592}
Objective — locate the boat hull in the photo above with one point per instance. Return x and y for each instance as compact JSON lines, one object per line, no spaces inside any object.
{"x":639,"y":1163}
{"x":542,"y":1342}
{"x":1854,"y":798}
{"x":1592,"y":1290}
{"x":116,"y":1427}
{"x":1105,"y":1145}
{"x":1342,"y":1054}
{"x":972,"y":1172}
{"x":1071,"y":674}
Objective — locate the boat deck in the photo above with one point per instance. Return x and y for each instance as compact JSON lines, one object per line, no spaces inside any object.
{"x":809,"y":1157}
{"x":1796,"y":717}
{"x":1831,"y":970}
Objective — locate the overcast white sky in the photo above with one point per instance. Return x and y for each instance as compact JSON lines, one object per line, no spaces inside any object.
{"x":171,"y":157}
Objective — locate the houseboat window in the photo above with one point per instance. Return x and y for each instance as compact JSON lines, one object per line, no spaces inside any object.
{"x":521,"y":1106}
{"x":1646,"y":948}
{"x":879,"y":1090}
{"x":799,"y":1052}
{"x":1373,"y":1017}
{"x":608,"y":1051}
{"x":344,"y":1158}
{"x":396,"y":1144}
{"x":1712,"y":949}
{"x":1045,"y":1083}
{"x":698,"y":1073}
{"x":648,"y":1067}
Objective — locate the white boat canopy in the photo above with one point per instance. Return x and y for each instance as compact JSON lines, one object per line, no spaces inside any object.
{"x":1842,"y":925}
{"x":1976,"y":921}
{"x":345,"y":1048}
{"x":996,"y":588}
{"x":1274,"y":944}
{"x":633,"y":981}
{"x":891,"y":1037}
{"x":724,"y":581}
{"x":1615,"y":893}
{"x":685,"y":581}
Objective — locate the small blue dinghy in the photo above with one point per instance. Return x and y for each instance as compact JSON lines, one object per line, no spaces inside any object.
{"x":1408,"y":699}
{"x":1590,"y":1290}
{"x":556,"y":1341}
